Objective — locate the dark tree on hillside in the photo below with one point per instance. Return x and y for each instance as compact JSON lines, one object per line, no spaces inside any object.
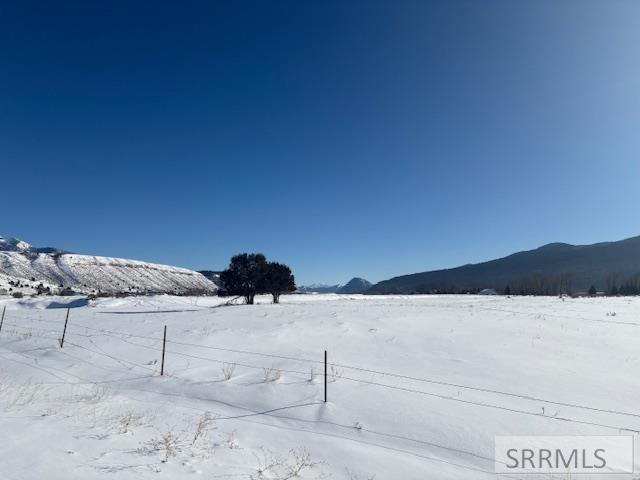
{"x":612,"y":283}
{"x":593,"y":291}
{"x":631,"y":286}
{"x":507,"y":290}
{"x":278,"y":279}
{"x":245,"y":276}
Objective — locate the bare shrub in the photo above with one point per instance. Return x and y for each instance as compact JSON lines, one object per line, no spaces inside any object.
{"x":356,"y":476}
{"x":300,"y":460}
{"x":283,"y":468}
{"x":168,"y":443}
{"x":22,"y":335}
{"x":227,"y":370}
{"x":267,"y":462}
{"x":335,"y":373}
{"x":94,"y":395}
{"x":229,"y":441}
{"x":203,"y":425}
{"x":124,"y":422}
{"x":271,"y":374}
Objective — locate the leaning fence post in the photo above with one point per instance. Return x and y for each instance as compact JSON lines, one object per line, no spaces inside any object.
{"x":2,"y":320}
{"x":164,"y":343}
{"x":64,"y":332}
{"x":325,"y":376}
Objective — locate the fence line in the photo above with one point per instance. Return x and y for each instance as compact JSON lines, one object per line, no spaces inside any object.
{"x":118,"y":335}
{"x":498,"y":407}
{"x":267,"y":412}
{"x":488,"y":390}
{"x":244,"y":417}
{"x":375,"y":372}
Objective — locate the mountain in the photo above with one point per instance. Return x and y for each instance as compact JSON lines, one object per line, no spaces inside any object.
{"x":548,"y":269}
{"x":212,"y":275}
{"x":24,"y":267}
{"x":356,"y":285}
{"x":15,"y":245}
{"x":319,"y":288}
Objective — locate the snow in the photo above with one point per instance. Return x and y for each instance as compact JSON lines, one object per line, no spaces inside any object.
{"x":98,"y":407}
{"x":92,"y":274}
{"x":45,"y":302}
{"x":14,"y":245}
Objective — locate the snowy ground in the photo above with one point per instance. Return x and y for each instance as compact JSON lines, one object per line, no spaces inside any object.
{"x":480,"y":367}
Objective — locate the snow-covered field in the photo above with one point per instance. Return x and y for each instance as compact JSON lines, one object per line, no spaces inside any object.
{"x":465,"y":368}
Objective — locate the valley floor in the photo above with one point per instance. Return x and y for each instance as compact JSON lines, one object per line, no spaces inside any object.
{"x":418,"y":386}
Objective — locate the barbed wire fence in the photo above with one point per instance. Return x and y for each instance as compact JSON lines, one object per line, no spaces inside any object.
{"x":331,"y":371}
{"x":72,"y":334}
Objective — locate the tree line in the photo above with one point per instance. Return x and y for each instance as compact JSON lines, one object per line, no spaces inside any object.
{"x":250,"y":274}
{"x":619,"y":285}
{"x":539,"y":284}
{"x":534,"y":284}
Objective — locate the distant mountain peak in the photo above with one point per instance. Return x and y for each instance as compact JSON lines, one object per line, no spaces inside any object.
{"x":12,"y":244}
{"x":356,"y":285}
{"x":319,"y":288}
{"x":555,"y":246}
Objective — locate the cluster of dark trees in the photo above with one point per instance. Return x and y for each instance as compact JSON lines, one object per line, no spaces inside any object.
{"x":543,"y":285}
{"x":439,"y":289}
{"x":537,"y":284}
{"x":533,"y":284}
{"x":616,"y":285}
{"x":250,"y":274}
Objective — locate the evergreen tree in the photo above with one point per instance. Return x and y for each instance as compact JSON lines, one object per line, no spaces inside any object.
{"x":507,"y":290}
{"x":245,"y":276}
{"x":593,"y":291}
{"x":278,"y":279}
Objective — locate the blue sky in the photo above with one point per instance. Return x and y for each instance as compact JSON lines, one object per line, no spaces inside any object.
{"x":343,"y":138}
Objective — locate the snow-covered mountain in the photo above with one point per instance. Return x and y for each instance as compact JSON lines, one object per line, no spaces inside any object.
{"x":14,"y":245}
{"x":355,"y":285}
{"x":24,"y":268}
{"x":319,"y":288}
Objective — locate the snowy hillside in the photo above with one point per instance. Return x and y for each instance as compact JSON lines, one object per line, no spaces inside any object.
{"x":418,"y":386}
{"x":23,"y":268}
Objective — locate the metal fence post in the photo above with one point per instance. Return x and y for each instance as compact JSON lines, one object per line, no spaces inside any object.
{"x":325,"y":376}
{"x":64,"y":332}
{"x":164,"y":343}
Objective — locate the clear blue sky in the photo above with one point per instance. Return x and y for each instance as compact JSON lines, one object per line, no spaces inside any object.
{"x":343,"y":138}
